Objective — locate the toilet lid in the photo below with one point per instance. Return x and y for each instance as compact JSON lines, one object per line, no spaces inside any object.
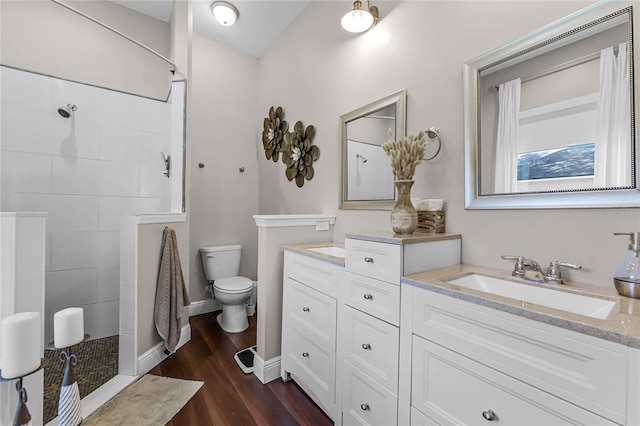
{"x":235,"y":284}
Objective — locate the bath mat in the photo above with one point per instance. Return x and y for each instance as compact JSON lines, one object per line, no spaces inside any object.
{"x":152,"y":400}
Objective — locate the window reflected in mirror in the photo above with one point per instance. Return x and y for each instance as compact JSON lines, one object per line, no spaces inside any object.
{"x":555,"y":115}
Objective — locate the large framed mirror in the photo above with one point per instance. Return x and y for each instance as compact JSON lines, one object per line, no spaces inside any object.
{"x":549,"y":119}
{"x":367,"y":180}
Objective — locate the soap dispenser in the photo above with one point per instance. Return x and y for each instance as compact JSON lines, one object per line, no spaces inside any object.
{"x":627,"y":276}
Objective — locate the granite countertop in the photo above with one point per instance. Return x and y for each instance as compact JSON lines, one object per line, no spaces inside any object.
{"x":304,"y":249}
{"x":622,"y":325}
{"x":389,"y":237}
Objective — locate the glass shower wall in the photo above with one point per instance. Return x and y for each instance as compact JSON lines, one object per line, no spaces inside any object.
{"x":85,"y":171}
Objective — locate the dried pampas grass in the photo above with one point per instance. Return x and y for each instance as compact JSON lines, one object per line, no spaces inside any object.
{"x":406,"y":153}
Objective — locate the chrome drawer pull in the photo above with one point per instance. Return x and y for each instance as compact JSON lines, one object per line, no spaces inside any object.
{"x":305,"y":309}
{"x":368,"y":259}
{"x":366,"y":346}
{"x":364,"y":407}
{"x":489,"y":415}
{"x":306,"y":355}
{"x":368,"y":296}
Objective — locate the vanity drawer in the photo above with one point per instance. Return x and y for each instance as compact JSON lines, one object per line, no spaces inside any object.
{"x":581,"y":369}
{"x":366,"y":402}
{"x":453,"y":389}
{"x":371,"y":345}
{"x":322,"y":276}
{"x":312,"y":363}
{"x":377,"y":298}
{"x":310,"y":312}
{"x":375,"y":260}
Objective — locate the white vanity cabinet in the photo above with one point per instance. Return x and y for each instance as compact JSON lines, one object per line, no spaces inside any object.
{"x":370,"y":333}
{"x":472,"y":364}
{"x":309,"y":319}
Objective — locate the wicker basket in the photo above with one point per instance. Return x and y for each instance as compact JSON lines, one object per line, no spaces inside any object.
{"x":430,"y":222}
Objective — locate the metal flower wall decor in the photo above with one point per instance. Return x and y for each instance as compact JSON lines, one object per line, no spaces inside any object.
{"x":274,"y":129}
{"x":299,"y":153}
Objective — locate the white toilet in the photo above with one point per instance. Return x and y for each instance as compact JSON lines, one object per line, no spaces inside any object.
{"x":221,"y":267}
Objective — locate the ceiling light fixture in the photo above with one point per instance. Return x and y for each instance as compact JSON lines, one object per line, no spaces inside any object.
{"x":359,"y":20}
{"x":225,"y":13}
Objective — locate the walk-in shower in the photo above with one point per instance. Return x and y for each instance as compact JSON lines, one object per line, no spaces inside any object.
{"x":67,"y":111}
{"x":112,"y":170}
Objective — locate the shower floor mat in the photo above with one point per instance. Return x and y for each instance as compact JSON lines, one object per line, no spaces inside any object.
{"x":97,"y":364}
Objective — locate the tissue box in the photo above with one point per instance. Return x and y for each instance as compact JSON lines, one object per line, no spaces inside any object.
{"x":430,"y":222}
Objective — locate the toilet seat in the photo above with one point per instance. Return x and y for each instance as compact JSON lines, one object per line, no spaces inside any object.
{"x":233,"y":284}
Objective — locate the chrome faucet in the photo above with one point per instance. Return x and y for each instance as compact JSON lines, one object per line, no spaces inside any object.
{"x":532,"y":271}
{"x":526,"y":268}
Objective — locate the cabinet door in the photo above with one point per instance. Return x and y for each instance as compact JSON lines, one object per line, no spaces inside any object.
{"x":371,"y":345}
{"x":582,"y":369}
{"x":419,"y":419}
{"x":452,"y":389}
{"x":366,"y":402}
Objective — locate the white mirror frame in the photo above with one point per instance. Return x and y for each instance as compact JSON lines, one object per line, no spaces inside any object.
{"x":398,"y":98}
{"x":577,"y":199}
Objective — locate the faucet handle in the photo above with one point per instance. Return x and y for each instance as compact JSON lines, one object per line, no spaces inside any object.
{"x":518,"y":267}
{"x":554,"y":273}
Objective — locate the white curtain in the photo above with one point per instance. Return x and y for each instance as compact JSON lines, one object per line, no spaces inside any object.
{"x":506,"y":158}
{"x":613,"y":144}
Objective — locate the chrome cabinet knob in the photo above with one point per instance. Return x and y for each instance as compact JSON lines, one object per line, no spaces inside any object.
{"x":368,"y":296}
{"x":364,"y":407}
{"x":368,"y":259}
{"x":305,"y":309}
{"x":305,"y":354}
{"x":366,"y":346}
{"x":489,"y":415}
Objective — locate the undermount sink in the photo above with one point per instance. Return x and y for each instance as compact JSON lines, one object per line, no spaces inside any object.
{"x":330,"y":251}
{"x":570,"y":302}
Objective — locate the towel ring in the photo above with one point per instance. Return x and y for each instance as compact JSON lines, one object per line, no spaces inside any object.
{"x":434,"y":133}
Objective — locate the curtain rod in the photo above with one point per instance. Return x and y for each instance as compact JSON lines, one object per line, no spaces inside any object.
{"x":173,"y":67}
{"x":557,"y":68}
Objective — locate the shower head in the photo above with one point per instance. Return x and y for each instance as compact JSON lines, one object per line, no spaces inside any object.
{"x":362,"y":157}
{"x":67,"y":111}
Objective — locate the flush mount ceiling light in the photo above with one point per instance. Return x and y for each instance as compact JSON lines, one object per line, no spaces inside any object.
{"x":359,"y":20}
{"x":225,"y":13}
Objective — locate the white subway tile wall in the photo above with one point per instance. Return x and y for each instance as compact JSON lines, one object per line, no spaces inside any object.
{"x":85,"y":172}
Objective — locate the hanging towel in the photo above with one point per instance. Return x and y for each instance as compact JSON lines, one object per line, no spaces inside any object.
{"x":171,"y":294}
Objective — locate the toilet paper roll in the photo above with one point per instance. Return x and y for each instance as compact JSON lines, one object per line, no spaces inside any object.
{"x":68,"y":327}
{"x":21,"y":344}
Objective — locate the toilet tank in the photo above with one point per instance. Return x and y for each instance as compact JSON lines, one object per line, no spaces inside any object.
{"x":221,"y":261}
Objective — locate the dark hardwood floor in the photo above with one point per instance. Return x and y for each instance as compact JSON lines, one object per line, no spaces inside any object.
{"x":228,"y":396}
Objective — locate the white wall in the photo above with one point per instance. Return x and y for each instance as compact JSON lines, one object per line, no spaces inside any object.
{"x":85,"y":171}
{"x":42,"y":36}
{"x":318,"y":72}
{"x":223,"y":114}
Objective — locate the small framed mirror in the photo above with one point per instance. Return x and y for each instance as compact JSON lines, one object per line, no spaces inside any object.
{"x":549,"y":118}
{"x":367,"y":179}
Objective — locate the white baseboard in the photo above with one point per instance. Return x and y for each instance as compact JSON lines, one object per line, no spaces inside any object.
{"x":204,"y":307}
{"x":156,"y":355}
{"x":266,"y":371}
